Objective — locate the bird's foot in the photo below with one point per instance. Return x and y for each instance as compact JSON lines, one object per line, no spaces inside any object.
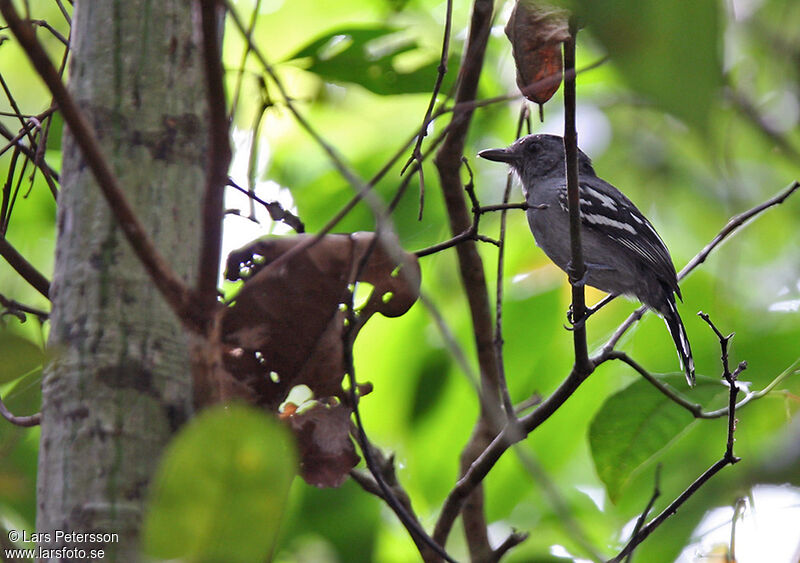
{"x":580,"y":323}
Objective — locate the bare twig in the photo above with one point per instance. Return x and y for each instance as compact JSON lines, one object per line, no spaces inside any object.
{"x":219,"y":158}
{"x":240,"y":73}
{"x":471,"y":233}
{"x":577,"y":268}
{"x":643,"y":516}
{"x":275,"y":209}
{"x":498,"y":307}
{"x":24,"y":421}
{"x":30,"y":124}
{"x":750,"y":111}
{"x":30,"y":153}
{"x":448,"y":164}
{"x":696,"y":409}
{"x":560,"y":507}
{"x":64,"y":12}
{"x":252,"y":159}
{"x":423,"y":541}
{"x":416,"y":155}
{"x":20,"y":311}
{"x":24,"y":268}
{"x":728,"y":458}
{"x":43,"y":23}
{"x":176,"y":293}
{"x":25,"y":126}
{"x":512,"y":540}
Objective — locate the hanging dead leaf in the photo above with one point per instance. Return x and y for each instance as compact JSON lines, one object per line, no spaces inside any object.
{"x":285,"y":328}
{"x":327,"y":453}
{"x":536,"y":32}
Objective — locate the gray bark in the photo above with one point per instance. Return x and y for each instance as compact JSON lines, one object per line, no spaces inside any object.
{"x":119,"y":385}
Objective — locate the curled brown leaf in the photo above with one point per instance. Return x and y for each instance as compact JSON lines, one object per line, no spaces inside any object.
{"x":536,"y":32}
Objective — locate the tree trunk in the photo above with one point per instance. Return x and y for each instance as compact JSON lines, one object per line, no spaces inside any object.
{"x":118,"y":385}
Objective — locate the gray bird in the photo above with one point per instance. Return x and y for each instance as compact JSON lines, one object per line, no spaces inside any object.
{"x":622,"y":251}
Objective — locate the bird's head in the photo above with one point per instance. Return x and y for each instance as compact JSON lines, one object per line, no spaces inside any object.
{"x":537,"y":156}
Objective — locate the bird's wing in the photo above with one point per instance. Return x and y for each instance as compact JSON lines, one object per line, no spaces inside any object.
{"x":609,"y":212}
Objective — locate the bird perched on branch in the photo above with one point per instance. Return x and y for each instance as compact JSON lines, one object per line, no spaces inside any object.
{"x":623,"y":253}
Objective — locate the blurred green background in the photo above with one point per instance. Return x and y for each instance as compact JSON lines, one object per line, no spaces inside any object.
{"x":695,"y":117}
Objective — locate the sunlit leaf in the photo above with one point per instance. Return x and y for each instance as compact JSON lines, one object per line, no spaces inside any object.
{"x":19,"y":356}
{"x":368,"y":56}
{"x":636,"y":423}
{"x":221,"y":489}
{"x":670,"y":55}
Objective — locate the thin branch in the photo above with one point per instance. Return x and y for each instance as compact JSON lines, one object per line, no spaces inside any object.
{"x":24,"y":421}
{"x":560,"y":507}
{"x":338,"y":162}
{"x":512,"y":433}
{"x":30,"y":153}
{"x":750,"y":111}
{"x":219,"y":157}
{"x":45,"y":133}
{"x":448,"y":164}
{"x":423,"y":541}
{"x":16,"y":109}
{"x":252,"y":158}
{"x":643,"y":516}
{"x":240,"y":73}
{"x":696,"y":409}
{"x":728,"y":458}
{"x":733,"y":224}
{"x":20,"y":311}
{"x":508,"y":406}
{"x":512,"y":540}
{"x":450,"y":340}
{"x":24,"y":268}
{"x":64,"y":12}
{"x":52,"y":30}
{"x":577,"y":268}
{"x":29,"y":124}
{"x":471,"y":233}
{"x":176,"y":293}
{"x":275,"y":209}
{"x":416,"y":155}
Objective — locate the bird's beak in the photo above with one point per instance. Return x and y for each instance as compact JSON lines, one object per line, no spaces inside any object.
{"x":499,"y":155}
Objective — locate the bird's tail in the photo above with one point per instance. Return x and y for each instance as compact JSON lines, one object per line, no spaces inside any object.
{"x":678,"y":332}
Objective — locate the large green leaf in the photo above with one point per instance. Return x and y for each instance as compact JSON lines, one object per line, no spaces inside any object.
{"x":19,"y":356}
{"x":221,"y":489}
{"x":667,"y":51}
{"x":368,"y":56}
{"x":636,"y":423}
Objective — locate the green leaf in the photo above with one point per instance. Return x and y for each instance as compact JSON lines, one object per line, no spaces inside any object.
{"x":368,"y":56}
{"x":431,"y":385}
{"x":667,"y":51}
{"x":20,"y":356}
{"x":221,"y":489}
{"x":636,"y":423}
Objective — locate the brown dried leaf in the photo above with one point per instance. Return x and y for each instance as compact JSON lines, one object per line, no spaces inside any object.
{"x":536,"y":32}
{"x":285,"y":327}
{"x":327,"y":453}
